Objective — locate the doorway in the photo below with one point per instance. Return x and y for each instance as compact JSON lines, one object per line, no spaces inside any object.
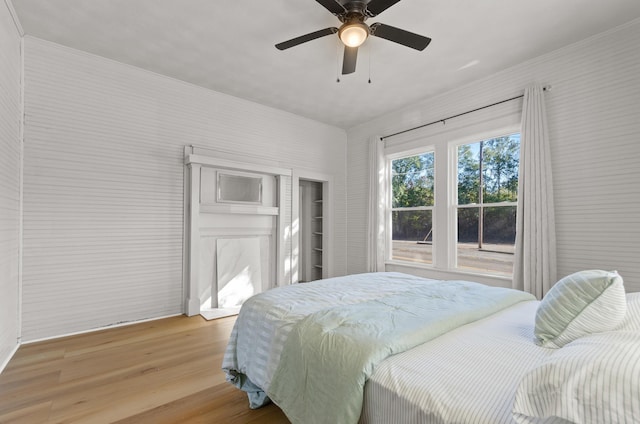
{"x":311,"y":231}
{"x":312,"y":226}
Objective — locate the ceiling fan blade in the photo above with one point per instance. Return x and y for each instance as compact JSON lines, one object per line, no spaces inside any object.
{"x":332,"y":6}
{"x":304,"y":38}
{"x":349,"y":60}
{"x":376,"y":7}
{"x":400,"y":36}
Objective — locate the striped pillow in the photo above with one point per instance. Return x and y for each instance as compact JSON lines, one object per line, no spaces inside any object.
{"x":582,"y":303}
{"x":591,"y":380}
{"x":631,"y":321}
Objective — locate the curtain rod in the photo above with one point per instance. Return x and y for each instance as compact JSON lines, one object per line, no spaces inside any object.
{"x":545,"y":88}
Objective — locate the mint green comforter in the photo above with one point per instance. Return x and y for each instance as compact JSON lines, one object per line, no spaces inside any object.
{"x":330,"y":354}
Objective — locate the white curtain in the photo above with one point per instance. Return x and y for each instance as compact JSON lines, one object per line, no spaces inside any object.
{"x":375,"y":214}
{"x":534,"y":267}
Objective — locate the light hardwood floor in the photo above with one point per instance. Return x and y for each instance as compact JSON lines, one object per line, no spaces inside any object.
{"x":163,"y":371}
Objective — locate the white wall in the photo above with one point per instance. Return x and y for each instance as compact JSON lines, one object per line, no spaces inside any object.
{"x":594,"y":118}
{"x":10,"y":151}
{"x":103,"y":183}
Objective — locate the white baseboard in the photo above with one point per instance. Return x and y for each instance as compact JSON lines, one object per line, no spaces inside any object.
{"x":92,"y":330}
{"x":8,"y":359}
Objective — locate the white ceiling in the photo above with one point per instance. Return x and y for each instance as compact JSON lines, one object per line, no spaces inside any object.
{"x":228,"y":46}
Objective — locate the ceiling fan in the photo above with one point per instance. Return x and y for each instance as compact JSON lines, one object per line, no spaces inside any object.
{"x":354,"y":31}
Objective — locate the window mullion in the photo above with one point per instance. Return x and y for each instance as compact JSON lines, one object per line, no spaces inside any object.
{"x":413,"y":208}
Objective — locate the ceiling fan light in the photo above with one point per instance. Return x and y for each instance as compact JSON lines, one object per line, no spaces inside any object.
{"x":353,"y":35}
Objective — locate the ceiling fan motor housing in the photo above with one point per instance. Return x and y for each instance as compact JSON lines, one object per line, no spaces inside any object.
{"x":354,"y":10}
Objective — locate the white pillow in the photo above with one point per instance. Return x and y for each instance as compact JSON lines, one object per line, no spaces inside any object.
{"x":593,"y":380}
{"x":579,"y":304}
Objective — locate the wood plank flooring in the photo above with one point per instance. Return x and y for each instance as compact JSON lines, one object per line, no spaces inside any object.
{"x":161,"y":372}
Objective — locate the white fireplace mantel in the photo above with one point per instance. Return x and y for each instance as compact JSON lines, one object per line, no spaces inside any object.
{"x":196,"y":212}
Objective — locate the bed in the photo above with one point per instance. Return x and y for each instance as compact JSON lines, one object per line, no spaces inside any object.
{"x":395,"y":348}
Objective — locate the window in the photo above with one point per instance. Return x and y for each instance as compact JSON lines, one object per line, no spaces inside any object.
{"x":412,"y":203}
{"x":486,"y":207}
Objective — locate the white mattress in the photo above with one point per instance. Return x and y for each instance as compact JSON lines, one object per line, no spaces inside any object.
{"x":468,"y":375}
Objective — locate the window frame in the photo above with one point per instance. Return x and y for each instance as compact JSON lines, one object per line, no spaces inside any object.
{"x":453,"y":190}
{"x":443,"y":139}
{"x":389,"y":209}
